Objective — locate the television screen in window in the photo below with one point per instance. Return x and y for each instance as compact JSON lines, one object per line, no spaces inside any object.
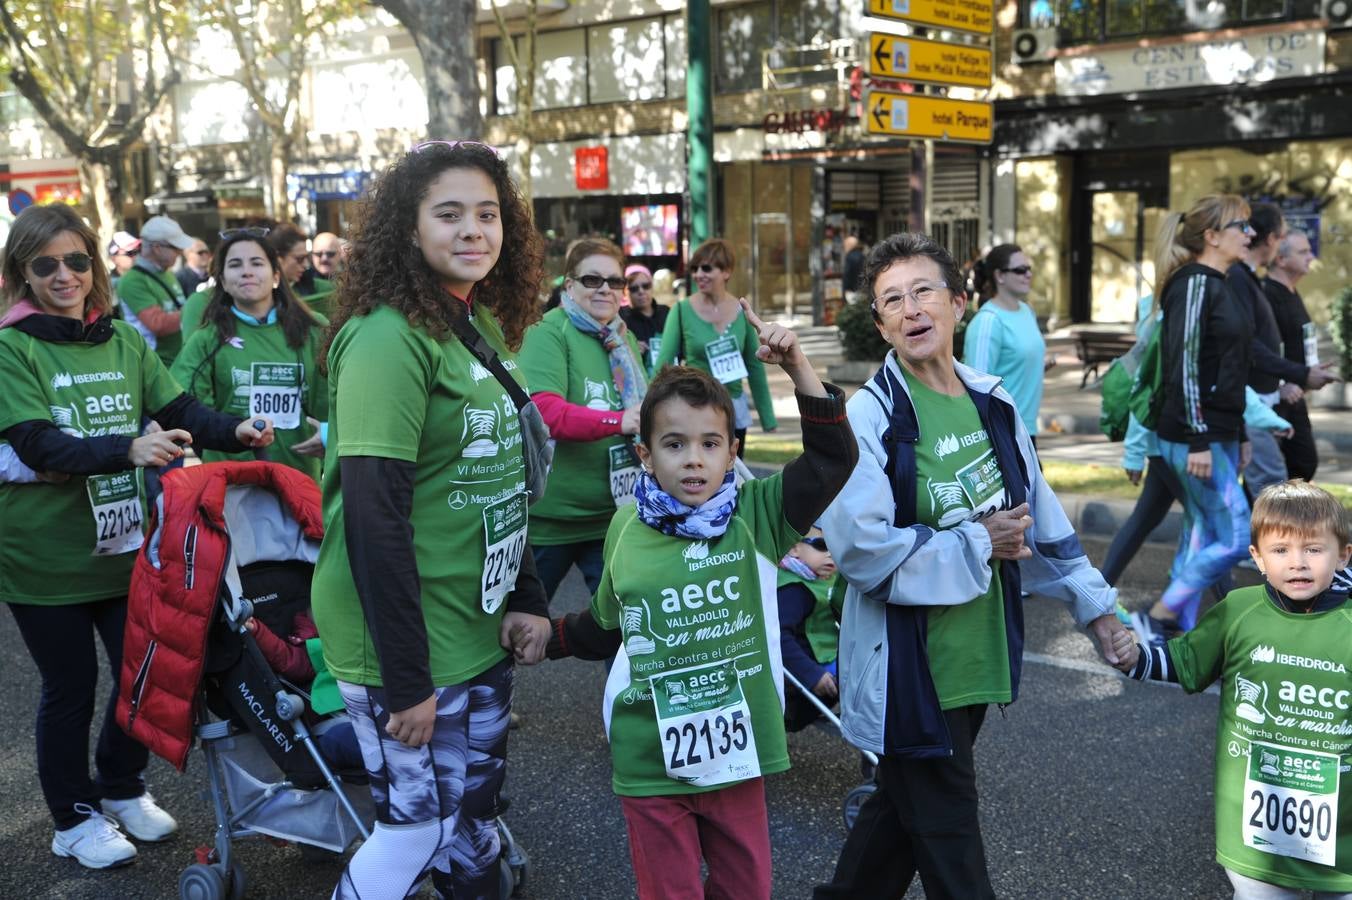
{"x":650,"y":230}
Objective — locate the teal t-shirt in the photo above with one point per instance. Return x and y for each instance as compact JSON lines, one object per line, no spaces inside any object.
{"x":694,"y":701}
{"x":587,"y":476}
{"x":257,"y":373}
{"x":396,"y":392}
{"x":1283,"y":737}
{"x":74,"y":542}
{"x":1008,"y":343}
{"x":688,"y":337}
{"x":957,"y":480}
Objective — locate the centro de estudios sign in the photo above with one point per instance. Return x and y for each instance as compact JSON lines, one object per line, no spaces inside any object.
{"x":1237,"y":58}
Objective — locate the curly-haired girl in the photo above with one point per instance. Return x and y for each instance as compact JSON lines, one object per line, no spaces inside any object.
{"x":425,"y":576}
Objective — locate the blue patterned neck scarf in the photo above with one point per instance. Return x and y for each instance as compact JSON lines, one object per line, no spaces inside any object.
{"x":631,"y":380}
{"x":660,"y":510}
{"x":798,"y":567}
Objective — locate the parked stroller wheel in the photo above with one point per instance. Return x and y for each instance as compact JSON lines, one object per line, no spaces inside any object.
{"x":201,"y":882}
{"x":237,"y":881}
{"x":506,"y":878}
{"x":855,"y":799}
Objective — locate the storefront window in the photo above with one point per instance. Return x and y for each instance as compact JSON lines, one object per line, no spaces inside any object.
{"x":802,"y":21}
{"x":560,"y":71}
{"x":1081,"y":21}
{"x":626,"y":61}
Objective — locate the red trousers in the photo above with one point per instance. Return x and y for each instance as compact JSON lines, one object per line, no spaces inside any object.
{"x":729,"y":828}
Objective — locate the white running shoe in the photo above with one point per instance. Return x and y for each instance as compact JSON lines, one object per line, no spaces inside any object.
{"x":141,"y":817}
{"x":95,"y":843}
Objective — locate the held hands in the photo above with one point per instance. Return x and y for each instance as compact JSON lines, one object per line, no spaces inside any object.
{"x":1006,"y":529}
{"x":826,"y":689}
{"x":525,"y":635}
{"x":1115,"y":642}
{"x":312,"y":445}
{"x":413,"y":727}
{"x":158,"y":448}
{"x":255,"y":432}
{"x":779,"y":346}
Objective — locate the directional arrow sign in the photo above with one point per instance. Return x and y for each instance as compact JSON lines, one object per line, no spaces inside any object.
{"x":919,"y":116}
{"x":975,"y":16}
{"x":933,"y":62}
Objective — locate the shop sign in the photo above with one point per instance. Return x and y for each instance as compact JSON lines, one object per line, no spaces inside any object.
{"x":58,"y":192}
{"x":919,"y":116}
{"x":932,"y":62}
{"x":349,"y":185}
{"x":591,"y":170}
{"x":1237,"y":59}
{"x":802,"y":120}
{"x":19,"y":200}
{"x":975,"y":16}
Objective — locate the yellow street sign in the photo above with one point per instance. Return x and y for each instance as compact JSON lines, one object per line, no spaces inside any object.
{"x":920,"y":116}
{"x":975,"y":16}
{"x":933,"y":62}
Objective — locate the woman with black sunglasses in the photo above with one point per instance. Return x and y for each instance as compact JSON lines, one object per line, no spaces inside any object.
{"x":77,"y":386}
{"x":255,"y":354}
{"x":709,"y":332}
{"x":587,"y":377}
{"x":1003,"y":338}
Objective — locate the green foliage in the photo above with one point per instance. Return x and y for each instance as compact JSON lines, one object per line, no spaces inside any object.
{"x":1340,"y":326}
{"x":859,"y":337}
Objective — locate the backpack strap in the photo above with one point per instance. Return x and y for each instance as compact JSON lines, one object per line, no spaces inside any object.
{"x":474,"y":342}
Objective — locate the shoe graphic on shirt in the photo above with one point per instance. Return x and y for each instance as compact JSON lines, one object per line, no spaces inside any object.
{"x":480,"y":432}
{"x":598,"y":395}
{"x":636,"y":642}
{"x":1249,"y":693}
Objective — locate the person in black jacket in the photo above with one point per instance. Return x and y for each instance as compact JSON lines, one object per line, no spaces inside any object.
{"x":1299,"y":346}
{"x":1269,"y":368}
{"x":1205,"y":353}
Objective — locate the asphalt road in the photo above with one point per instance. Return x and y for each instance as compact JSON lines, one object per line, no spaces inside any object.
{"x":1092,"y":787}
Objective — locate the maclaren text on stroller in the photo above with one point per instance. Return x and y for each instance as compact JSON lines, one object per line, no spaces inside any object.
{"x":188,"y":655}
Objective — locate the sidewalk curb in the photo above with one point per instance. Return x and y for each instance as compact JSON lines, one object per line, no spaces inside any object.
{"x":1104,"y":517}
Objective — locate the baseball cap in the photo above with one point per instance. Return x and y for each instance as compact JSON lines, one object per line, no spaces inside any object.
{"x":123,"y":242}
{"x":164,"y":230}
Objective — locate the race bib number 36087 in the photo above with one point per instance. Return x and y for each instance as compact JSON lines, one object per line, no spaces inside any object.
{"x":1291,"y":803}
{"x":275,"y":393}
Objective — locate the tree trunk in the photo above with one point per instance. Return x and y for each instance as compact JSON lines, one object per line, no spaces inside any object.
{"x":279,"y":161}
{"x":444,"y":33}
{"x":94,"y":185}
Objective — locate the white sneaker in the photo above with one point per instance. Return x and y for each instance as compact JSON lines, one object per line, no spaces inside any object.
{"x":141,"y":817}
{"x":95,"y":843}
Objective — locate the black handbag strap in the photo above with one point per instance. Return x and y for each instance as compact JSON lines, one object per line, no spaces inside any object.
{"x":474,"y":342}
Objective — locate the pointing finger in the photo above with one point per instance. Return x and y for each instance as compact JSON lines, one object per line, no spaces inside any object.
{"x":751,"y":316}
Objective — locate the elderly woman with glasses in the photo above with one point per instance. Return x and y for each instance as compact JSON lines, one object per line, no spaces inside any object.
{"x":709,"y":332}
{"x":945,"y":520}
{"x":1003,"y":337}
{"x":78,"y":385}
{"x":586,"y":374}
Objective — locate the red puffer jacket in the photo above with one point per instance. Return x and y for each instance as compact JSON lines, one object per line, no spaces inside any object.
{"x":178,"y":576}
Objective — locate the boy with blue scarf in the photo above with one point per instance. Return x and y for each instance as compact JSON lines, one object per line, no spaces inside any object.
{"x":687,"y":603}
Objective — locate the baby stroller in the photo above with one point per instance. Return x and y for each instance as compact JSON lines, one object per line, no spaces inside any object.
{"x":229,"y":541}
{"x":856,"y":797}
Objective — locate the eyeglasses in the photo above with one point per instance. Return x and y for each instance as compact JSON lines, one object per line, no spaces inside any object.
{"x":253,"y":232}
{"x":707,"y":268}
{"x":451,"y":145}
{"x":592,"y":282}
{"x":640,"y":286}
{"x":1242,"y":224}
{"x":45,"y":266}
{"x":924,"y":294}
{"x":1020,"y":270}
{"x":326,"y":254}
{"x":816,"y":543}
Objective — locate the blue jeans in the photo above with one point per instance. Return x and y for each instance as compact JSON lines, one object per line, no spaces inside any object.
{"x":1215,"y":532}
{"x":553,"y":562}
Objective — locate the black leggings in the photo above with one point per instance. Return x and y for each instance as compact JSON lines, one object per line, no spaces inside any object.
{"x":61,"y":641}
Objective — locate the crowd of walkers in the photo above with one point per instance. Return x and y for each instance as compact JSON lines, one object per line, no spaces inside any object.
{"x":407,"y":371}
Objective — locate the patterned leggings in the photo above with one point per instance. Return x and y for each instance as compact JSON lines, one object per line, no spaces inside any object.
{"x":1215,"y":532}
{"x":436,"y":804}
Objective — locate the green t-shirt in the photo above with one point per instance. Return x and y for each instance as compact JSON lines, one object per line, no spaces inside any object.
{"x":688,"y":336}
{"x":958,"y":479}
{"x":89,"y":390}
{"x":257,"y":373}
{"x":320,"y":300}
{"x":579,"y":502}
{"x":1283,"y":737}
{"x":697,"y":686}
{"x":396,"y":392}
{"x":820,"y":628}
{"x":139,"y":290}
{"x":193,"y":309}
